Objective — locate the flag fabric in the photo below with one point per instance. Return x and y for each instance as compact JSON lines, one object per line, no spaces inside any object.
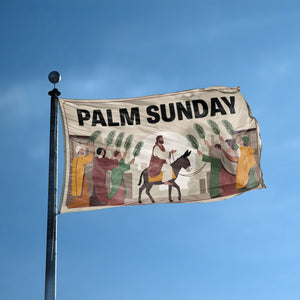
{"x":198,"y":145}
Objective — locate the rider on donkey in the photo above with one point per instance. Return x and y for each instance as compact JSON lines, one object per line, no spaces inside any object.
{"x":159,"y":161}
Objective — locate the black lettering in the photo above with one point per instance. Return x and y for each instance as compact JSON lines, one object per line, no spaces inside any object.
{"x":153,"y":114}
{"x":110,"y":119}
{"x":187,"y":111}
{"x":82,"y":118}
{"x":164,"y":112}
{"x":196,"y":108}
{"x":216,"y":107}
{"x":98,"y":118}
{"x":230,"y":103}
{"x":135,"y":115}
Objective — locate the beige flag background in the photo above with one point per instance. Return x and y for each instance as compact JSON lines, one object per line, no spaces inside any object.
{"x":209,"y":137}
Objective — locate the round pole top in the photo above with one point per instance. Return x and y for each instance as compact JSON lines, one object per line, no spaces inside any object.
{"x":54,"y":77}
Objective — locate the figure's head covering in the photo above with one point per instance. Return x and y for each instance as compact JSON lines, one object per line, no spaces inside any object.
{"x":116,"y":153}
{"x":157,"y":138}
{"x":232,"y":144}
{"x":161,"y":146}
{"x":245,"y":140}
{"x":77,"y":149}
{"x":99,"y":151}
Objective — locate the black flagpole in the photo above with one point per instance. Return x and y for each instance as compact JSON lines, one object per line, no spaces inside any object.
{"x":50,"y":279}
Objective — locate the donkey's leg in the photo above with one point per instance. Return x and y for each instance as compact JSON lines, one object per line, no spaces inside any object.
{"x":148,"y":188}
{"x":140,"y":192}
{"x":178,"y":189}
{"x":170,"y":193}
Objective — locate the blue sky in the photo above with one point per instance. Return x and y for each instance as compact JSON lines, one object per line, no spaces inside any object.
{"x":246,"y":247}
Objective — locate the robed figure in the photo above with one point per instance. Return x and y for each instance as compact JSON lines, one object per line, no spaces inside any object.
{"x":80,"y":188}
{"x":229,"y":155}
{"x":101,"y":165}
{"x":159,"y":161}
{"x":215,"y":170}
{"x":223,"y":160}
{"x":118,"y":188}
{"x":245,"y":177}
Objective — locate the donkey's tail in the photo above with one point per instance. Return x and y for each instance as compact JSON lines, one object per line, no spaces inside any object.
{"x":140,"y":181}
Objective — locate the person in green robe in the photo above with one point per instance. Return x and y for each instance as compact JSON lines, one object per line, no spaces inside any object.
{"x":215,"y":171}
{"x":118,"y":189}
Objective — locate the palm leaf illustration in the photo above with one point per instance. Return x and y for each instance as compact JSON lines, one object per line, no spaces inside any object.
{"x":137,"y":149}
{"x":199,"y":130}
{"x":94,"y":136}
{"x":228,"y":127}
{"x":110,"y":137}
{"x":193,"y":141}
{"x":128,"y":142}
{"x":119,"y":139}
{"x":214,"y":127}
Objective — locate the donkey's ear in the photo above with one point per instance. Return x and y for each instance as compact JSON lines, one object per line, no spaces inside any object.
{"x":185,"y":154}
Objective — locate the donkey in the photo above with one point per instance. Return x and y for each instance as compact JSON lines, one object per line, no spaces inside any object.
{"x":181,"y":162}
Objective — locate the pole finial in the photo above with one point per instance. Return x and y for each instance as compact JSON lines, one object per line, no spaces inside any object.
{"x":54,"y":77}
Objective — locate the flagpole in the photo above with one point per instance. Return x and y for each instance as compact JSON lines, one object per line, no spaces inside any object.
{"x":50,"y":278}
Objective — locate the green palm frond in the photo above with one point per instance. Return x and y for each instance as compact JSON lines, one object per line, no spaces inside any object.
{"x":110,"y":137}
{"x":137,"y":149}
{"x":94,"y":136}
{"x":228,"y":127}
{"x":214,"y":127}
{"x":119,"y":139}
{"x":193,"y":141}
{"x":199,"y":130}
{"x":128,"y":142}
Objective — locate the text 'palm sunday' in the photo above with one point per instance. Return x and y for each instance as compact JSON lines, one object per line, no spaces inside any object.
{"x":156,"y":113}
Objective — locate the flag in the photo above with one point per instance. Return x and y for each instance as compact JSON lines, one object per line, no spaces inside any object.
{"x":199,"y":145}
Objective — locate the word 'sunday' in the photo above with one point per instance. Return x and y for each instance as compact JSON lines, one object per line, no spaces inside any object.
{"x":192,"y":109}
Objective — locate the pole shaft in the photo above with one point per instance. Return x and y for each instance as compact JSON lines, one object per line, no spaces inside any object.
{"x":50,"y":280}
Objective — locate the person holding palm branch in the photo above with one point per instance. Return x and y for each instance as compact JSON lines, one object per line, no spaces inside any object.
{"x":101,"y":165}
{"x":118,"y":189}
{"x":80,"y":188}
{"x":229,"y":155}
{"x":215,"y":170}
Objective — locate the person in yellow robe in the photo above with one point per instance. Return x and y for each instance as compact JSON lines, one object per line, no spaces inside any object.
{"x":245,"y":163}
{"x":80,"y":188}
